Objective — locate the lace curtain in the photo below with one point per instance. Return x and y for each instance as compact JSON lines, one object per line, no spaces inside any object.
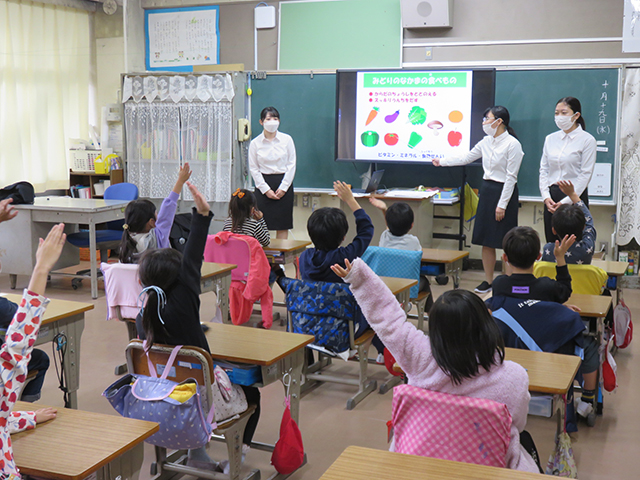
{"x":162,"y":135}
{"x":629,"y":207}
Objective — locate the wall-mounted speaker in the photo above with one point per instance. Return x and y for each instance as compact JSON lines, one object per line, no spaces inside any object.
{"x":426,"y":13}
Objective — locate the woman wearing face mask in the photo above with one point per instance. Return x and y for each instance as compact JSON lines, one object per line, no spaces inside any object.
{"x":272,"y":162}
{"x":568,"y":154}
{"x":497,"y":213}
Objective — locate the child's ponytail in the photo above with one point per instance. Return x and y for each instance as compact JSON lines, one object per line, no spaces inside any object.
{"x":136,"y":216}
{"x":240,"y":206}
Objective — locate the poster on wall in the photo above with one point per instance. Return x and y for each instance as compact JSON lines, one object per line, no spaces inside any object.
{"x":631,"y":27}
{"x":413,"y":116}
{"x":179,"y":38}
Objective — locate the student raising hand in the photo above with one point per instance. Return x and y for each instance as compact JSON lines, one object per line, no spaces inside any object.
{"x":342,"y":272}
{"x":183,"y":175}
{"x":47,"y":255}
{"x":202,"y":206}
{"x":7,"y":212}
{"x":561,"y":249}
{"x":346,"y":195}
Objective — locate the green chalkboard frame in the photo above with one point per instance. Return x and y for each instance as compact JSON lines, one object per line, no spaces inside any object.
{"x":339,"y":34}
{"x":306,"y":103}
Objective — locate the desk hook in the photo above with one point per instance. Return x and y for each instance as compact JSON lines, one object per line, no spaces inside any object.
{"x":286,"y":381}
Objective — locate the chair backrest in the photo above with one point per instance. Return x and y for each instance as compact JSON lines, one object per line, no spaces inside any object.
{"x":321,"y":309}
{"x":585,"y":279}
{"x":120,"y":191}
{"x":391,"y":262}
{"x":233,"y":251}
{"x":535,"y":325}
{"x":450,"y":427}
{"x":122,"y":289}
{"x":191,"y":362}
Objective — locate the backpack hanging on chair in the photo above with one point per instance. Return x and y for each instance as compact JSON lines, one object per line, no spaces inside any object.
{"x":622,"y":325}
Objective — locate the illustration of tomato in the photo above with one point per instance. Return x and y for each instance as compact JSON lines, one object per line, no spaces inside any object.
{"x":391,"y":138}
{"x":455,"y":138}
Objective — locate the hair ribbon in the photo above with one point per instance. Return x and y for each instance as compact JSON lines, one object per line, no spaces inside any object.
{"x":238,"y":193}
{"x":162,"y":299}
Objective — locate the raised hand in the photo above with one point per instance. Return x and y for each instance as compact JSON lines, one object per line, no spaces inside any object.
{"x":376,"y":202}
{"x":202,"y":207}
{"x":183,"y":175}
{"x":561,"y":248}
{"x":342,"y":272}
{"x":7,"y":211}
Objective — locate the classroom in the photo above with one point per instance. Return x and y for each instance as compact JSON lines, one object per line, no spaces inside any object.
{"x":83,"y":77}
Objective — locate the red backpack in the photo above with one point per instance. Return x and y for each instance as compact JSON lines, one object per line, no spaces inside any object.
{"x":622,"y":325}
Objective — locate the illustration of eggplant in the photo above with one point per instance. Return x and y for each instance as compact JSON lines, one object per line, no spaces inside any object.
{"x":392,"y":118}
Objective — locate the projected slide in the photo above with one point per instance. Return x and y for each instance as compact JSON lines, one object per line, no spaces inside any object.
{"x":412,"y":116}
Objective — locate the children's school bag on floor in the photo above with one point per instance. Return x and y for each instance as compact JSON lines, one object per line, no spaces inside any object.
{"x":175,"y":406}
{"x":622,"y":325}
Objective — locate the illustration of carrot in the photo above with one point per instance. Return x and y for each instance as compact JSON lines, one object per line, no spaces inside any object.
{"x":372,"y":115}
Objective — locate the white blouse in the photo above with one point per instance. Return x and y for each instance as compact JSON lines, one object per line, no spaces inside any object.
{"x":501,"y":159}
{"x":271,"y":157}
{"x":567,"y":156}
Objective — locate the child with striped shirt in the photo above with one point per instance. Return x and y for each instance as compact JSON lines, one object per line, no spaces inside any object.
{"x":245,"y":218}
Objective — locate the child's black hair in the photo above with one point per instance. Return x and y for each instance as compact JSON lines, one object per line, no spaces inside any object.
{"x":464,"y":337}
{"x":574,"y":104}
{"x":240,"y":205}
{"x":568,"y":220}
{"x":269,"y":110}
{"x":399,"y":218}
{"x":327,"y":228}
{"x":501,"y":112}
{"x":521,"y":245}
{"x":159,"y":267}
{"x":136,"y":216}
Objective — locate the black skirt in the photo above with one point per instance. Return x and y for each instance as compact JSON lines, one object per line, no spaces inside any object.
{"x":487,"y":231}
{"x":278,"y":214}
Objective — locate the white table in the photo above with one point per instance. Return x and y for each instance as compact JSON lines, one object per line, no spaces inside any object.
{"x":19,"y":237}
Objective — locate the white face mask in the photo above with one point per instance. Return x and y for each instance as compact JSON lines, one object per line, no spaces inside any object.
{"x":489,"y":130}
{"x":271,"y":125}
{"x":564,"y":122}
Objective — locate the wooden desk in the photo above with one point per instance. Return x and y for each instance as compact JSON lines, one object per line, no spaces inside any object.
{"x":590,"y":305}
{"x":359,"y":463}
{"x":217,"y":277}
{"x":63,"y":316}
{"x":451,"y":259}
{"x":285,"y":251}
{"x":19,"y":238}
{"x":613,"y":269}
{"x":77,"y":444}
{"x":276,"y":353}
{"x":399,"y":287}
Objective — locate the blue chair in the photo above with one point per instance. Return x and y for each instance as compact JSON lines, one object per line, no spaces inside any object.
{"x":109,"y":238}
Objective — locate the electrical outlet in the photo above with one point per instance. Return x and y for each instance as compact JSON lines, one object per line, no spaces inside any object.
{"x":305,"y":200}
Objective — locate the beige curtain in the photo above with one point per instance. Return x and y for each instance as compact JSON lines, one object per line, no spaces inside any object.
{"x":44,"y":90}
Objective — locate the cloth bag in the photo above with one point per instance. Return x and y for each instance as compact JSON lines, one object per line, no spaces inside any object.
{"x":561,"y":461}
{"x":288,"y":454}
{"x":22,"y":193}
{"x":229,"y":400}
{"x":182,"y":423}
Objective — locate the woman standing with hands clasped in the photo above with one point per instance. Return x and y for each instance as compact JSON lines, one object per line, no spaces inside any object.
{"x":272,"y":163}
{"x":568,"y":154}
{"x":501,"y":155}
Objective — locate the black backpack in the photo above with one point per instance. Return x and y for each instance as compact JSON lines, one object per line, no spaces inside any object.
{"x":180,"y":231}
{"x":22,"y":193}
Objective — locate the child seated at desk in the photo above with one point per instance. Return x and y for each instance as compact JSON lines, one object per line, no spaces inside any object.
{"x":399,"y":220}
{"x":462,"y":355}
{"x":171,"y":316}
{"x":327,"y":229}
{"x":245,"y":218}
{"x":574,"y":220}
{"x":521,"y":247}
{"x":144,"y":228}
{"x":16,"y":352}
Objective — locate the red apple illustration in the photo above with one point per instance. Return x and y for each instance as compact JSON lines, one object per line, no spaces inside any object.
{"x":391,"y":138}
{"x":455,"y":138}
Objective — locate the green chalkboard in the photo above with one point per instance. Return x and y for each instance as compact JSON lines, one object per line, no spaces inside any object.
{"x":531,"y":96}
{"x":306,"y":104}
{"x":307,"y":108}
{"x":339,"y":34}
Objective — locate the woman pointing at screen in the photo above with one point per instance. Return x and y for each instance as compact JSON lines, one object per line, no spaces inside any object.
{"x":568,"y":154}
{"x":272,"y":163}
{"x":501,"y":155}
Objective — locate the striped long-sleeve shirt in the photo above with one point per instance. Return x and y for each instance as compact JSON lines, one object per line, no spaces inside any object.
{"x":254,"y":228}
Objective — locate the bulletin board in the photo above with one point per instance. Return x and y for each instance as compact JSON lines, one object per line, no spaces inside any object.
{"x":176,"y":39}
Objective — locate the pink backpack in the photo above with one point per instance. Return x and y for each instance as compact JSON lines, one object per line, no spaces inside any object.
{"x":450,"y":427}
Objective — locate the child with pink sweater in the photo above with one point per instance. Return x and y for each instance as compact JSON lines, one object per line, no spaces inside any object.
{"x":462,"y":355}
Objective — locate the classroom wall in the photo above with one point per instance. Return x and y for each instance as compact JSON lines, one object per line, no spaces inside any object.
{"x":496,"y":20}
